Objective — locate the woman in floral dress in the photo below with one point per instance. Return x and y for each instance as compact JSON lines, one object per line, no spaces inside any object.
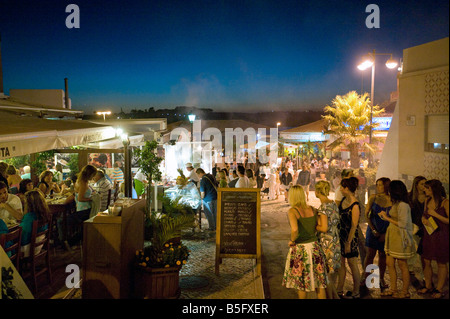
{"x":305,"y":263}
{"x":329,"y":240}
{"x":399,"y":244}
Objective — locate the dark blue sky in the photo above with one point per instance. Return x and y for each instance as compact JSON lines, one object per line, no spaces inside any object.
{"x":226,"y":55}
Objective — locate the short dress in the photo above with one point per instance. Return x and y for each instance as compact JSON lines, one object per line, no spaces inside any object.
{"x":330,"y":240}
{"x":380,"y":226}
{"x":436,"y":245}
{"x":306,"y":263}
{"x":345,"y":224}
{"x":399,"y":240}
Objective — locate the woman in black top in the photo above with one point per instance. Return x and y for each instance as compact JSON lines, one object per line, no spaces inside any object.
{"x":46,"y":185}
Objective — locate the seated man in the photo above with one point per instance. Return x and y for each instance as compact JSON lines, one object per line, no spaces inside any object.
{"x":103,"y":186}
{"x":10,"y":206}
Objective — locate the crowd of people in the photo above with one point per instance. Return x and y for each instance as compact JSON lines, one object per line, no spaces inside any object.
{"x":405,"y":228}
{"x":22,"y":201}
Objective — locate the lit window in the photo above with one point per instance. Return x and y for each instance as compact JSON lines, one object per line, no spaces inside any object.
{"x":437,"y":133}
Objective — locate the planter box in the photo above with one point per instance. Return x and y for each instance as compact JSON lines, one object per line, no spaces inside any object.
{"x":157,"y":283}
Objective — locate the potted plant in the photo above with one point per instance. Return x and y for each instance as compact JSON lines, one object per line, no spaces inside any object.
{"x":159,"y":263}
{"x":149,"y":161}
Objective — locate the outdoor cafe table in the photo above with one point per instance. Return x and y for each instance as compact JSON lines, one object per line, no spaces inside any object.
{"x":59,"y":207}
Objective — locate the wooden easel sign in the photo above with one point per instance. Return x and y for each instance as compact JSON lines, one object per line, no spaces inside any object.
{"x":238,"y":231}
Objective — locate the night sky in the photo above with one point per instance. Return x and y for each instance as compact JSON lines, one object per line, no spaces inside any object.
{"x":226,"y":55}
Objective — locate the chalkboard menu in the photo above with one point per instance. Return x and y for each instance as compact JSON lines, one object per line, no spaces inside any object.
{"x":238,"y":223}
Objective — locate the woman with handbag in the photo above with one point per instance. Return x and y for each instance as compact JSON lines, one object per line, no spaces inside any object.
{"x":436,"y":240}
{"x":376,"y":229}
{"x":399,"y":244}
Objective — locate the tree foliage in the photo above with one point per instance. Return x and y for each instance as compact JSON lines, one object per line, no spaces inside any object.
{"x":348,"y":119}
{"x":148,"y":160}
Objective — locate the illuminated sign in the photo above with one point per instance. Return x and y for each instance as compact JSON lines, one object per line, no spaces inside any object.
{"x":384,"y":123}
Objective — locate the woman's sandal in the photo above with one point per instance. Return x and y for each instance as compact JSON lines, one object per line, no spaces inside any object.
{"x":437,"y":294}
{"x":387,"y":292}
{"x":401,"y":295}
{"x":425,"y":291}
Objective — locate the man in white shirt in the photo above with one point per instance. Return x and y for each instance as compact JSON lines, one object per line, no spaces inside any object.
{"x":243,"y":181}
{"x":103,"y":186}
{"x":140,"y":176}
{"x":192,"y":176}
{"x":10,"y":206}
{"x":346,"y":173}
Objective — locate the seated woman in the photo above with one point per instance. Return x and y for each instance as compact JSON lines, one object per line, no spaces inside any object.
{"x":25,"y":185}
{"x":13,"y":178}
{"x":83,"y":201}
{"x":46,"y":185}
{"x":37,"y":209}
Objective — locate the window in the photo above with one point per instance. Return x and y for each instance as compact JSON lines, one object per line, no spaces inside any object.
{"x":437,"y":133}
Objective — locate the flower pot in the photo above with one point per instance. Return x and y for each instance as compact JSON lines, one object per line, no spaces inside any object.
{"x":157,"y":283}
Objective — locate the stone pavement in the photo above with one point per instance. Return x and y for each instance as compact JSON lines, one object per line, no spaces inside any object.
{"x":237,"y":278}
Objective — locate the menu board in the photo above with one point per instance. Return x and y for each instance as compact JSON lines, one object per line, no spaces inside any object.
{"x":238,"y":223}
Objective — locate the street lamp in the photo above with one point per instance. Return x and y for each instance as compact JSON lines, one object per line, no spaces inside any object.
{"x":104,"y":113}
{"x":127,"y":166}
{"x":369,"y":61}
{"x":192,"y":119}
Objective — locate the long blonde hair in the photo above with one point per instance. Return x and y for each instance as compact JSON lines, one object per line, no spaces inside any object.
{"x":297,"y":197}
{"x":86,"y":173}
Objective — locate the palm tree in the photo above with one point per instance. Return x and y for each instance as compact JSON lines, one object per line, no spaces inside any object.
{"x":348,"y":119}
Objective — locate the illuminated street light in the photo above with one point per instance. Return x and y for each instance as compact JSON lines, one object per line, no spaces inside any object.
{"x":368,"y":61}
{"x":104,"y":113}
{"x":192,"y":119}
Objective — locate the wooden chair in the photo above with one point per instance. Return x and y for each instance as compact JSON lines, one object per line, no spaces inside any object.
{"x":14,"y":239}
{"x":42,"y":257}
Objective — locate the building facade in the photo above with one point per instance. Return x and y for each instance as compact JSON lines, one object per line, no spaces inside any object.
{"x":418,"y":141}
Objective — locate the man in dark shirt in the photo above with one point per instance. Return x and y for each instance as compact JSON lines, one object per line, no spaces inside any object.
{"x":286,"y":180}
{"x":208,"y":191}
{"x":235,"y":179}
{"x":304,"y":179}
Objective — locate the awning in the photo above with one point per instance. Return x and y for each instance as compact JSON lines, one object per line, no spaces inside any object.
{"x":21,"y":135}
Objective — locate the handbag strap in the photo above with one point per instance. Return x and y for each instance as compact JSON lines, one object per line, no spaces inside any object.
{"x":211,"y":182}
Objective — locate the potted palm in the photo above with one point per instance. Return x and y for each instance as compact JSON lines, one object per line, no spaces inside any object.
{"x":159,"y":263}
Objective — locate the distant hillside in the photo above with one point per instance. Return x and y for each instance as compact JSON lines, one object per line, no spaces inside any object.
{"x":286,"y":118}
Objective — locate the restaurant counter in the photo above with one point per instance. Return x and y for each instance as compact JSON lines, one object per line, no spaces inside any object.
{"x":109,"y":249}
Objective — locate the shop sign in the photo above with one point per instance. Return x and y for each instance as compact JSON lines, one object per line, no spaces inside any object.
{"x":4,"y":151}
{"x":384,"y":123}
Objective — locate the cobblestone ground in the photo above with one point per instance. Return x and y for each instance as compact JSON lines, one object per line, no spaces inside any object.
{"x":198,"y":280}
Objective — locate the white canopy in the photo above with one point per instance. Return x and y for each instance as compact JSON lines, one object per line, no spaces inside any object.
{"x":21,"y":135}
